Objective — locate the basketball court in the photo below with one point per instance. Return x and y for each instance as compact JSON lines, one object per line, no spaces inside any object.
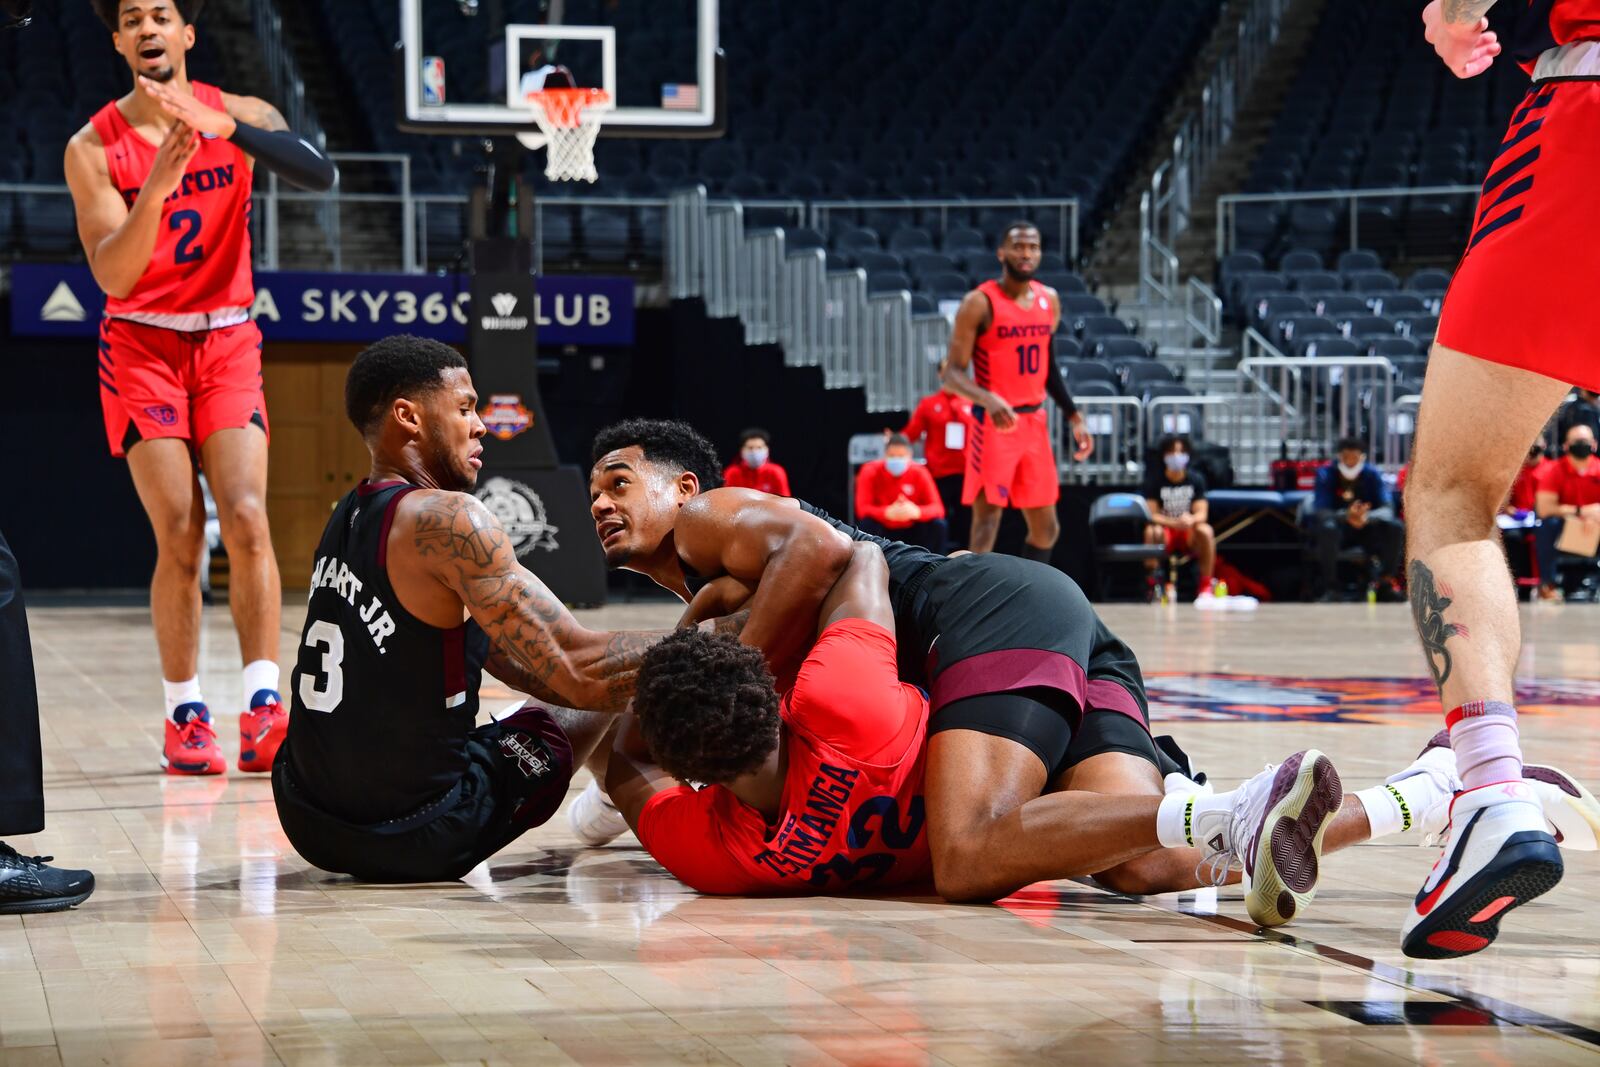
{"x":209,"y":940}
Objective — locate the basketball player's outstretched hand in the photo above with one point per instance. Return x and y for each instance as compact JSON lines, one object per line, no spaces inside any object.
{"x":187,"y":109}
{"x":172,"y":158}
{"x":1467,"y":48}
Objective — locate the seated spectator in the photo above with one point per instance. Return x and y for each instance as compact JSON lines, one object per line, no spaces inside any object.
{"x":1584,"y":409}
{"x":1352,"y":507}
{"x":1569,"y":492}
{"x":896,"y":498}
{"x":1523,"y":498}
{"x":1176,"y":495}
{"x":945,"y":420}
{"x":755,"y":469}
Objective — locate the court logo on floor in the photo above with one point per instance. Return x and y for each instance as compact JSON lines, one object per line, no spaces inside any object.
{"x":1379,"y":701}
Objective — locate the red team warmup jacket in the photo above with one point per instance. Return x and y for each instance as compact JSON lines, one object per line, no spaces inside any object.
{"x":946,"y":421}
{"x":767,"y":478}
{"x":876,"y":489}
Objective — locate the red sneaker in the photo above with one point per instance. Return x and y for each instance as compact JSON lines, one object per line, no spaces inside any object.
{"x":192,"y":747}
{"x":261,"y":730}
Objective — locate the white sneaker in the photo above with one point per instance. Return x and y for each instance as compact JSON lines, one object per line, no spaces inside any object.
{"x":594,"y":820}
{"x":1571,"y":812}
{"x":1498,"y":856}
{"x":1274,"y":831}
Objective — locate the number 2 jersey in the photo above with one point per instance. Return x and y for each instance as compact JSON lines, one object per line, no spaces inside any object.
{"x":851,"y":816}
{"x":201,"y":261}
{"x":382,"y":703}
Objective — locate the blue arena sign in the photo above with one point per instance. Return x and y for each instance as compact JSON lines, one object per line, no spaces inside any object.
{"x":62,"y":300}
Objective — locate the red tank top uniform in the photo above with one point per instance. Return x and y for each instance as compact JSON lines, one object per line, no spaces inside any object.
{"x":201,"y":261}
{"x":1011,"y":357}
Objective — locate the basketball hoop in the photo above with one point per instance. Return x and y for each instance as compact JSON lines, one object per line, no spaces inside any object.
{"x":569,"y":119}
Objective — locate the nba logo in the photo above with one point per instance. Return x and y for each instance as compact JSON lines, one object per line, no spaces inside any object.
{"x":433,"y":81}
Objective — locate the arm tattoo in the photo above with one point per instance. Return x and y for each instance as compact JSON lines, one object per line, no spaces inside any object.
{"x":1427,"y":610}
{"x":731,"y":624}
{"x":538,"y":646}
{"x":260,"y":113}
{"x":1468,"y":11}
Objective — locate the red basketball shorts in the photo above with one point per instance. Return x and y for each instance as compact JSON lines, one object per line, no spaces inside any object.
{"x":1014,"y":469}
{"x":1177,"y":540}
{"x":162,"y":383}
{"x":1525,"y":293}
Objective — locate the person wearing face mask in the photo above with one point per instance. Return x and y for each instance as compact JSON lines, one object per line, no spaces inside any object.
{"x":1176,"y":496}
{"x":1569,"y":493}
{"x":896,"y":497}
{"x":1351,"y":506}
{"x":755,"y":469}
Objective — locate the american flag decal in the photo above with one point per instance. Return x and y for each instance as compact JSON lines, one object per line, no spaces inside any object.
{"x":676,"y":97}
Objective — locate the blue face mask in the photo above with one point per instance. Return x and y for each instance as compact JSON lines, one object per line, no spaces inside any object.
{"x":755,"y":457}
{"x":897,"y":465}
{"x":1176,"y":461}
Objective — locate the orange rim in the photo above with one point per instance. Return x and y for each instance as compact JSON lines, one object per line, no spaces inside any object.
{"x":564,"y":106}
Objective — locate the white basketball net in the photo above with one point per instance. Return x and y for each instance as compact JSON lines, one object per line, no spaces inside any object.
{"x":570,"y":121}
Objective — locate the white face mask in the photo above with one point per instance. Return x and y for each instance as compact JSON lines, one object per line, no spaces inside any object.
{"x":897,"y":465}
{"x":1176,"y":461}
{"x":1350,"y":473}
{"x":755,"y":457}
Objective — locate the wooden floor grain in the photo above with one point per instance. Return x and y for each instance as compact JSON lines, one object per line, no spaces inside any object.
{"x":210,"y":941}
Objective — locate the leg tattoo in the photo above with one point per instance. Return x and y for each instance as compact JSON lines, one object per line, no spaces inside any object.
{"x":1427,"y":609}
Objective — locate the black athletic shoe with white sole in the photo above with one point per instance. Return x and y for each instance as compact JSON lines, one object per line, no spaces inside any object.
{"x":28,"y":884}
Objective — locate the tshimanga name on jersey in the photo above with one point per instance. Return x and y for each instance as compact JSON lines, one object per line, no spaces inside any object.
{"x":331,"y":574}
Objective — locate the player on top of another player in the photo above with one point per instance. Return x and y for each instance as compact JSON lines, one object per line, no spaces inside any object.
{"x":161,"y":181}
{"x":1519,"y":327}
{"x":1037,"y":764}
{"x":1000,"y":359}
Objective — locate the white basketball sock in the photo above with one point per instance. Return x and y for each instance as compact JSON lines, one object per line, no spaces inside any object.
{"x":180,"y":693}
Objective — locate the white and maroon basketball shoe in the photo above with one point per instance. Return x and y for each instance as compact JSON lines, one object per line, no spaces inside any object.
{"x":1274,"y":830}
{"x":1498,"y":856}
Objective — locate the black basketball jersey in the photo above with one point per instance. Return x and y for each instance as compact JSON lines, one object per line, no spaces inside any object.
{"x":382,"y":702}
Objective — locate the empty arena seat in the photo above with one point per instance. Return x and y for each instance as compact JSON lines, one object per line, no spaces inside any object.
{"x":910,"y":239}
{"x":1400,"y":303}
{"x":873,"y":260}
{"x":1065,"y":348}
{"x":1074,"y":306}
{"x":1341,"y":305}
{"x":1358,"y":259}
{"x":1081,"y":373}
{"x":1328,"y":348}
{"x":1120,"y":350}
{"x":885,"y":281}
{"x":1096,"y":326}
{"x":1300,"y":259}
{"x":1371,"y":281}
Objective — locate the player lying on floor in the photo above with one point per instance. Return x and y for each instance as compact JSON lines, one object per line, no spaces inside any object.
{"x":1033,"y":769}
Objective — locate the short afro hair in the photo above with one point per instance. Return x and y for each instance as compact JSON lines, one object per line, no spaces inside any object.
{"x":188,"y":10}
{"x":666,"y":441}
{"x":1018,"y":224}
{"x":400,"y":365}
{"x":706,"y":706}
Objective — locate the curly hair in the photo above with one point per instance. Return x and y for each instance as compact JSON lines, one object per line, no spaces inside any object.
{"x":188,"y":10}
{"x":399,"y":365}
{"x":666,"y":441}
{"x":706,"y":706}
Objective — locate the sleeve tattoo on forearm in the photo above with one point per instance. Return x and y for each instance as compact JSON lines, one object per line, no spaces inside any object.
{"x":1427,"y":610}
{"x":535,"y":637}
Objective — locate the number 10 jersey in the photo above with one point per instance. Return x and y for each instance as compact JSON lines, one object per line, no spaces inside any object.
{"x":382,"y":703}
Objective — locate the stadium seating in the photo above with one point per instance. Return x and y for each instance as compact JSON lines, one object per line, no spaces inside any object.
{"x":1371,"y":107}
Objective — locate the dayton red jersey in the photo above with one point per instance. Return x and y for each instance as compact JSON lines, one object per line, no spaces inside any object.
{"x":852,"y":808}
{"x":201,"y":261}
{"x":1551,"y":23}
{"x":1011,"y":357}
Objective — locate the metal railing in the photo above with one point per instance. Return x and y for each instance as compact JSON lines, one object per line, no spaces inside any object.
{"x":1166,"y":209}
{"x":1116,"y":423}
{"x":822,"y":318}
{"x":1307,"y":402}
{"x":1350,"y":199}
{"x":1052,"y":215}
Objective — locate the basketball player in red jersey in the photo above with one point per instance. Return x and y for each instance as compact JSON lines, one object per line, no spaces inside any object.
{"x":1002,"y":333}
{"x":1518,"y":328}
{"x":161,"y":181}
